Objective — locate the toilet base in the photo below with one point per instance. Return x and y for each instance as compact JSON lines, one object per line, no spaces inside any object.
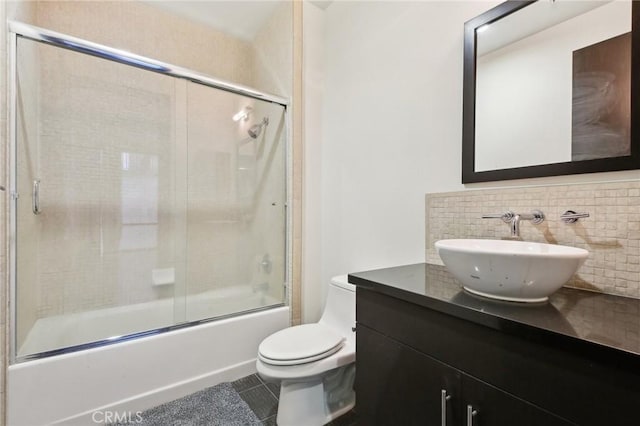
{"x":318,"y":400}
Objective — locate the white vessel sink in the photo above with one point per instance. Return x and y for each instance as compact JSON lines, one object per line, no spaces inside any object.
{"x":516,"y":271}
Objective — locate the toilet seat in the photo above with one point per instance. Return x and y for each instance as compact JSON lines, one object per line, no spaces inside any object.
{"x":300,"y":344}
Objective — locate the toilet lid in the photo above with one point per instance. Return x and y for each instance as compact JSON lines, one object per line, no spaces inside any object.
{"x":303,"y":343}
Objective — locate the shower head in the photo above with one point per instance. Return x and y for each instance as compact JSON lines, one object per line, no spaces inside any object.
{"x":254,"y":131}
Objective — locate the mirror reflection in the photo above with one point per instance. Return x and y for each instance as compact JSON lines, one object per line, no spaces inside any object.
{"x":553,"y":85}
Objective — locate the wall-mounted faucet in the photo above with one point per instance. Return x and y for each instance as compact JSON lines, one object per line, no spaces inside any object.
{"x":513,"y":219}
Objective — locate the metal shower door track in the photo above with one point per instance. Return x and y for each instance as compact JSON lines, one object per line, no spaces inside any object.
{"x":127,"y":58}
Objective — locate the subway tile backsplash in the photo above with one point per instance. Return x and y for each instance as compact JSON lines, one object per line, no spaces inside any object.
{"x":611,"y":234}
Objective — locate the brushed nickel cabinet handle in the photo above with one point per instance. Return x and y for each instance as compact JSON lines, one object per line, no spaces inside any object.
{"x":471,"y":413}
{"x":443,"y":406}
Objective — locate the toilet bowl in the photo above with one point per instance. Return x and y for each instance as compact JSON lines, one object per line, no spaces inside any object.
{"x":314,"y":363}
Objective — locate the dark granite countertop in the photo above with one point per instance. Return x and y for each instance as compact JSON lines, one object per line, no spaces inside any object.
{"x":585,"y":321}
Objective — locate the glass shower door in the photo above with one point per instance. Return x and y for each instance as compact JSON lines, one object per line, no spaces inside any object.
{"x":96,"y":223}
{"x":145,"y":201}
{"x":236,"y":212}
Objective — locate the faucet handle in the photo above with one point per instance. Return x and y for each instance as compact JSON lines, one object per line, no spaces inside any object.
{"x":571,"y":216}
{"x":506,"y":216}
{"x":538,"y":217}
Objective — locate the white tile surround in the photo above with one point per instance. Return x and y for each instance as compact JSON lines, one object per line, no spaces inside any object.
{"x":611,"y":234}
{"x":69,"y":283}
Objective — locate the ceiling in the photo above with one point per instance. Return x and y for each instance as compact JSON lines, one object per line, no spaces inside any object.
{"x":239,"y":18}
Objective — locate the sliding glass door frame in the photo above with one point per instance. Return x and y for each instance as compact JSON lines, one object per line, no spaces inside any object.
{"x":20,"y":30}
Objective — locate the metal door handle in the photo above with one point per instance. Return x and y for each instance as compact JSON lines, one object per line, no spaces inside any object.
{"x":443,"y":406}
{"x":35,"y":197}
{"x":471,"y":413}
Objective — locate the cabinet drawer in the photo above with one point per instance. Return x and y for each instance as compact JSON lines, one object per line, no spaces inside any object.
{"x":584,"y":390}
{"x":396,"y":385}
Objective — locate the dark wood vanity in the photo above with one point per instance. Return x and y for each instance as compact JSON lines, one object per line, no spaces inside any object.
{"x":429,"y":353}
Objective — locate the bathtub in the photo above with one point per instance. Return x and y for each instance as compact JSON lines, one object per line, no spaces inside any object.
{"x":133,"y":375}
{"x":66,"y":331}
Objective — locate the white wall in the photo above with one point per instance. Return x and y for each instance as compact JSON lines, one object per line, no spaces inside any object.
{"x":391,"y":132}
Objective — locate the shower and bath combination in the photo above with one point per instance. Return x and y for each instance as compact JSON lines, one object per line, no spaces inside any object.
{"x":147,"y":124}
{"x":128,"y":195}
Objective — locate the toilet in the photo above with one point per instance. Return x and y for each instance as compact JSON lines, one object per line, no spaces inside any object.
{"x":314,"y":363}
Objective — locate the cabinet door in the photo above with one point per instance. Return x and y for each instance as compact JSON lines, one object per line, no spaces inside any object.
{"x":396,"y":385}
{"x":494,"y":407}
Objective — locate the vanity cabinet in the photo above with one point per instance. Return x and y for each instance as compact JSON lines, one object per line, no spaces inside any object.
{"x":411,"y":348}
{"x":405,"y":387}
{"x":402,"y":386}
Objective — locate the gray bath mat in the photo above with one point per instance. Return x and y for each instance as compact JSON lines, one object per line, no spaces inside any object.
{"x":219,"y":405}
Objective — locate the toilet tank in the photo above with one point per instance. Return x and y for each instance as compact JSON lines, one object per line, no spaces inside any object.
{"x":340,"y":308}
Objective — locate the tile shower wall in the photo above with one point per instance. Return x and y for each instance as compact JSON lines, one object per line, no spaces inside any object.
{"x":87,"y":271}
{"x":102,"y":145}
{"x":77,"y":285}
{"x":273,"y":51}
{"x":611,"y":234}
{"x":139,"y":27}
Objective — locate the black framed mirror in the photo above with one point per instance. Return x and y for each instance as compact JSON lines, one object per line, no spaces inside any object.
{"x":551,"y":88}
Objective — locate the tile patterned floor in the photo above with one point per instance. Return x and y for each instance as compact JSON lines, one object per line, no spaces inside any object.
{"x":262,"y":398}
